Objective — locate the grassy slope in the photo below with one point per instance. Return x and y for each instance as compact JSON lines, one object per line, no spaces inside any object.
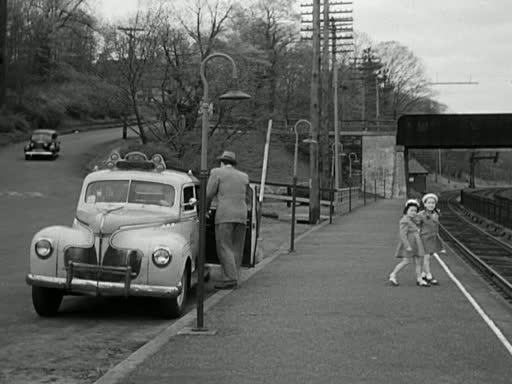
{"x":249,"y":150}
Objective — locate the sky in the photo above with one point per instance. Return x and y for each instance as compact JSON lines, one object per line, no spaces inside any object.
{"x":457,"y":41}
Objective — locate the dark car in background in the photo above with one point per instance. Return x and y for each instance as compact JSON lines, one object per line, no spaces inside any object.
{"x":43,"y":143}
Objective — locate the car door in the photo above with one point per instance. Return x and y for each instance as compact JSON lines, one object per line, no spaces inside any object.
{"x":189,"y":217}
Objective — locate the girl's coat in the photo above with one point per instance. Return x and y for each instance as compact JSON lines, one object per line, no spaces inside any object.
{"x":429,"y":224}
{"x":409,"y":237}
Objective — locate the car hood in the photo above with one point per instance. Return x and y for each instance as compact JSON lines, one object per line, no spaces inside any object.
{"x":108,"y":221}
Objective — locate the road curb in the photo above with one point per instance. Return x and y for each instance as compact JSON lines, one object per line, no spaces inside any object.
{"x":117,"y":373}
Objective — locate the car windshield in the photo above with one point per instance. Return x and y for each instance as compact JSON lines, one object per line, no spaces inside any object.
{"x":41,"y":137}
{"x":130,"y":191}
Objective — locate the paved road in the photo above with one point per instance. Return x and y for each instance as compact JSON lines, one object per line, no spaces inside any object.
{"x":90,"y":334}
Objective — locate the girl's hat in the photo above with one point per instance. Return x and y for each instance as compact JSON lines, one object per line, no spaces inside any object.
{"x":412,"y":202}
{"x":429,"y":196}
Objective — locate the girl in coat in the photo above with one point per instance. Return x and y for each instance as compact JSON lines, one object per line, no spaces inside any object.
{"x":429,"y":232}
{"x":410,"y":247}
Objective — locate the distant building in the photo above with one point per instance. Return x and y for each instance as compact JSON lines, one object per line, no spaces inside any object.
{"x":417,"y":178}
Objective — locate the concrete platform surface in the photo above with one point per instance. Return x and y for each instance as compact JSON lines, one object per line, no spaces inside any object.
{"x":325,"y":314}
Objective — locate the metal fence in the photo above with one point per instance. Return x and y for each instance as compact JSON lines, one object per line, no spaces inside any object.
{"x":340,"y":200}
{"x":497,"y":209}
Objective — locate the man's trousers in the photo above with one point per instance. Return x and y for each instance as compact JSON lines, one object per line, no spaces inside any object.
{"x":230,"y":240}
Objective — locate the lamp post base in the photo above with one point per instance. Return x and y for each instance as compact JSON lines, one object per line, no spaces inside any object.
{"x":197,"y":331}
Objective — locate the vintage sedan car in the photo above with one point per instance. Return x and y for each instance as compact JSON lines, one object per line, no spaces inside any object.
{"x":43,"y":143}
{"x":136,"y":233}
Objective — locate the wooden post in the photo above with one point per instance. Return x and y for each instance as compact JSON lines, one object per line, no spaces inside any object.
{"x":364,"y":191}
{"x":264,"y":170}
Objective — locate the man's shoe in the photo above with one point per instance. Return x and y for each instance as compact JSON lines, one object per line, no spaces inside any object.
{"x":226,"y":285}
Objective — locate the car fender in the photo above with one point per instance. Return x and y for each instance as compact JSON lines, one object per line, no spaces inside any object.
{"x":148,"y":240}
{"x":60,"y":237}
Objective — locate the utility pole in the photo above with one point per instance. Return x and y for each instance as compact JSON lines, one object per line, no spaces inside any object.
{"x":314,"y":193}
{"x":336,"y":154}
{"x":3,"y":52}
{"x":320,"y":94}
{"x":323,"y":140}
{"x":130,"y":32}
{"x":472,"y":160}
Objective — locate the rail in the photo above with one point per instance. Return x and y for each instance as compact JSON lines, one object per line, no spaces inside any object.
{"x":489,"y":255}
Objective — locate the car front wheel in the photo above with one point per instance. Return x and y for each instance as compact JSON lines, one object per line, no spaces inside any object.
{"x":175,"y":307}
{"x":46,"y":301}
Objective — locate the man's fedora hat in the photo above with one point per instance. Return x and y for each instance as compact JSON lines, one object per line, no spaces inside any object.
{"x":227,"y":156}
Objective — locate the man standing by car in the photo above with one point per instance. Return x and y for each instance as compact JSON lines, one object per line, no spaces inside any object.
{"x":229,"y":186}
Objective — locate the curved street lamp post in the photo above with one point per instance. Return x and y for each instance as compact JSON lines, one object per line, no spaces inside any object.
{"x":295,"y":161}
{"x":233,"y":94}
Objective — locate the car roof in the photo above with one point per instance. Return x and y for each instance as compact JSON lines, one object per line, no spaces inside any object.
{"x":175,"y":178}
{"x":44,"y":131}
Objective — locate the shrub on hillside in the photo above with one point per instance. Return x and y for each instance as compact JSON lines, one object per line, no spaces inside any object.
{"x":68,"y":94}
{"x":12,"y":122}
{"x":42,"y":109}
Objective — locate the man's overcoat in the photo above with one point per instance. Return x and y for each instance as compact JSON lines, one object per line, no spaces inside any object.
{"x":230,"y":187}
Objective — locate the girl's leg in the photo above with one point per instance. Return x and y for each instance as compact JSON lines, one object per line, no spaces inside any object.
{"x":428,"y":274}
{"x":398,"y":268}
{"x":417,"y":267}
{"x":426,"y":266}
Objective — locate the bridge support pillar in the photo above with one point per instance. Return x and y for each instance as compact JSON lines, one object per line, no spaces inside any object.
{"x":399,"y":173}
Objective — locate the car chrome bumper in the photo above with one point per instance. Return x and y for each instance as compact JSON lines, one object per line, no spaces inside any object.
{"x":39,"y":153}
{"x":103,"y":287}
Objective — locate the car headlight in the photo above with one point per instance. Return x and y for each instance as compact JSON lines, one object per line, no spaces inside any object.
{"x":43,"y":248}
{"x":161,"y":257}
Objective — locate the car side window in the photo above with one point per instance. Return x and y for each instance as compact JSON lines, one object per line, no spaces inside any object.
{"x":188,"y":193}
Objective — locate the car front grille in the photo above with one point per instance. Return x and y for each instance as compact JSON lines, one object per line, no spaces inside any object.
{"x":121,"y":258}
{"x":39,"y":146}
{"x":81,"y":255}
{"x":111,"y":258}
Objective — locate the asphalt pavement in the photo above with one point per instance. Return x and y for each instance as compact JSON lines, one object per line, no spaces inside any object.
{"x":325,"y":314}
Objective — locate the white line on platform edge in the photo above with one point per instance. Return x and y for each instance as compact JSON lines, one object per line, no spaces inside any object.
{"x":501,"y":337}
{"x":118,"y":372}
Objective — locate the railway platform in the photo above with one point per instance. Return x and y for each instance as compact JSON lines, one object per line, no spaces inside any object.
{"x":326,"y":314}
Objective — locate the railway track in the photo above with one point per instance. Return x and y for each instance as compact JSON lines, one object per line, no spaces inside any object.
{"x":491,"y":256}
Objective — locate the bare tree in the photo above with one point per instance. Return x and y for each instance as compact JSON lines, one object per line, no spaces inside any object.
{"x":130,"y":60}
{"x":209,"y":22}
{"x":405,"y":75}
{"x":270,"y":28}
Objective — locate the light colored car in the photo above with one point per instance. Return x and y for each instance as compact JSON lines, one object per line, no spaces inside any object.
{"x":136,"y":233}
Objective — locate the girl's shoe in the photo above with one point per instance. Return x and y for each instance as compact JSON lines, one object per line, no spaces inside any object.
{"x":422,"y":283}
{"x":431,"y":281}
{"x":392,"y":281}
